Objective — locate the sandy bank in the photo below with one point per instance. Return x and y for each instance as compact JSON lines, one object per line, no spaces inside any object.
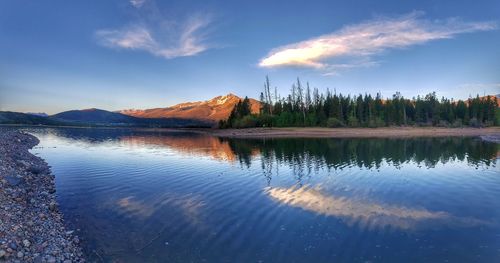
{"x":390,"y":132}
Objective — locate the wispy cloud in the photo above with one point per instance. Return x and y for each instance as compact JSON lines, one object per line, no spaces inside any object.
{"x":479,"y":88}
{"x":161,"y":37}
{"x":363,"y":41}
{"x":137,"y":3}
{"x":133,"y":37}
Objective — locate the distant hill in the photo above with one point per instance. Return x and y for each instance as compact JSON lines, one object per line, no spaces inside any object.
{"x":94,"y":116}
{"x":107,"y":118}
{"x":97,"y":117}
{"x":9,"y":117}
{"x":41,"y":114}
{"x":214,"y":109}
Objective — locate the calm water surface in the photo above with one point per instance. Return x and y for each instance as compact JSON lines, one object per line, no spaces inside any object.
{"x":139,"y":196}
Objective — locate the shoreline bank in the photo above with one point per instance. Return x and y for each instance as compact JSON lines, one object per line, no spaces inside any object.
{"x":31,"y":226}
{"x":390,"y":132}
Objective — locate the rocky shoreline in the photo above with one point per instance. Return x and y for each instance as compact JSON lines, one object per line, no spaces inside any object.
{"x":31,"y":227}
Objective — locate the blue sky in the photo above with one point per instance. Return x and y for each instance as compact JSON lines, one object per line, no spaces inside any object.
{"x":60,"y":55}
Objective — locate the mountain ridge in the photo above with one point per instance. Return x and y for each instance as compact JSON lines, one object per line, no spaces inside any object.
{"x":215,"y":109}
{"x":93,"y":115}
{"x":108,"y":118}
{"x":186,"y":114}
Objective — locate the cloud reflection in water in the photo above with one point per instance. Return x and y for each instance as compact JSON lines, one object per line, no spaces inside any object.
{"x":367,"y":213}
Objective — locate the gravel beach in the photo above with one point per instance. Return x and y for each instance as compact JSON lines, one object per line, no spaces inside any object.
{"x":31,"y":227}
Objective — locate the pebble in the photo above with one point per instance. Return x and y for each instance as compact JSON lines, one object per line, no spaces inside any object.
{"x":26,"y":243}
{"x":31,"y":227}
{"x":52,"y":206}
{"x":13,"y":246}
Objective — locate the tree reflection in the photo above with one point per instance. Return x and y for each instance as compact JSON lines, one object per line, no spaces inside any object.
{"x":305,"y":156}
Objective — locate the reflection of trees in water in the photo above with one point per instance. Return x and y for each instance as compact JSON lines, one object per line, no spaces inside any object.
{"x":303,"y":156}
{"x":309,"y":154}
{"x":306,"y":156}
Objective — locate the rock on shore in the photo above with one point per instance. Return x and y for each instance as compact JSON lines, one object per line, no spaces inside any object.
{"x":31,"y":227}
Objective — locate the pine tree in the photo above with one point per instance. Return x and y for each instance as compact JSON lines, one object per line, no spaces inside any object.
{"x":301,"y":108}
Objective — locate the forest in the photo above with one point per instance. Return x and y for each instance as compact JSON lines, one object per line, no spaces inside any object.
{"x":306,"y":107}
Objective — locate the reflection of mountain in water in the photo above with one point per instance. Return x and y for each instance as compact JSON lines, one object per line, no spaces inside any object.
{"x":192,"y":145}
{"x":331,"y":153}
{"x":302,"y":154}
{"x":180,"y":141}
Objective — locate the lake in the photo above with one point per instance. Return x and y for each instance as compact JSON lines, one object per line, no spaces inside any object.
{"x":167,"y":196}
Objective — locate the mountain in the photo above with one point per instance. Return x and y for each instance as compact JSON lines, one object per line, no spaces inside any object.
{"x":493,"y":97}
{"x":41,"y":114}
{"x":107,"y":118}
{"x":497,"y":97}
{"x":214,"y":109}
{"x":93,"y":116}
{"x":9,"y":117}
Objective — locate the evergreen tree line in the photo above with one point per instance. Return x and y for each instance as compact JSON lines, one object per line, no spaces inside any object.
{"x":308,"y":107}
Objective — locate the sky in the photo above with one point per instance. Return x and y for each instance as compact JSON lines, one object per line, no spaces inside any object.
{"x":122,"y":54}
